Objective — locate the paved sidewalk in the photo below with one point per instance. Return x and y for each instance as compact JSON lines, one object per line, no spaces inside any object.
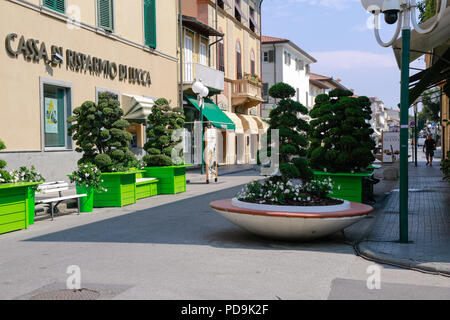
{"x":193,"y":174}
{"x":429,"y":225}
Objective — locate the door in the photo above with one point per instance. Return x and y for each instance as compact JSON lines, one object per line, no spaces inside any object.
{"x":188,"y":67}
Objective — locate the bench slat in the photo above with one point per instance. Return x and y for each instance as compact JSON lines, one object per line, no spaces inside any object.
{"x":61,"y":198}
{"x":52,"y":190}
{"x":145,"y":180}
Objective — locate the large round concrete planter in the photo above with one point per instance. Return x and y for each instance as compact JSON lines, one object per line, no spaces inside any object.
{"x":288,"y":222}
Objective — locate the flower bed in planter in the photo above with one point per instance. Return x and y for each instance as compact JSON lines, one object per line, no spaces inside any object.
{"x":15,"y":204}
{"x":347,"y":186}
{"x":171,"y":179}
{"x":291,"y":222}
{"x":120,"y":190}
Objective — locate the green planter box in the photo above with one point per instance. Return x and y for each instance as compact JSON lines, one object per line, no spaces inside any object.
{"x":146,"y":189}
{"x":121,"y":190}
{"x":172,"y":179}
{"x":31,"y":205}
{"x":351,"y":184}
{"x":15,"y":205}
{"x":86,"y":203}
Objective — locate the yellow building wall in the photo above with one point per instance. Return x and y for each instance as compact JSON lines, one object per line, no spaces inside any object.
{"x":20,"y":121}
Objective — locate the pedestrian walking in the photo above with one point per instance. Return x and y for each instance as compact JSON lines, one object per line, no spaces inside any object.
{"x":428,"y":147}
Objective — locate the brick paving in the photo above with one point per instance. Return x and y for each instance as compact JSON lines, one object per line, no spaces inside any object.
{"x":429,"y":225}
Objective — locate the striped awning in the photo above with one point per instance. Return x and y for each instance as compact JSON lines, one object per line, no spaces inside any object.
{"x":250,"y":125}
{"x":237,"y":122}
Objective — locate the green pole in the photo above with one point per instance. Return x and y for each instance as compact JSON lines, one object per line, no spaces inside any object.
{"x":404,"y":112}
{"x":415,"y":135}
{"x":201,"y":119}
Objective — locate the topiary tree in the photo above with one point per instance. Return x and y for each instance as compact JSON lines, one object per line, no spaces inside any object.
{"x":292,"y":133}
{"x":340,"y":139}
{"x":162,"y":123}
{"x":4,"y":175}
{"x":100,"y":134}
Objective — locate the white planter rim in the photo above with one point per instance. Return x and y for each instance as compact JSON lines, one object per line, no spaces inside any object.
{"x":294,"y":209}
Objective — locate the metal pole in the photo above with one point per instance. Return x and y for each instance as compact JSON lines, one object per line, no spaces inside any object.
{"x":415,"y":134}
{"x":404,"y":106}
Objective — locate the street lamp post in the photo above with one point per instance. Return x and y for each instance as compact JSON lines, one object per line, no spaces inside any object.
{"x":202,"y":92}
{"x":402,"y":12}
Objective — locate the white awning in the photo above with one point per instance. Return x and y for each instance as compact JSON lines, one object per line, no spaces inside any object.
{"x":237,"y":122}
{"x":425,"y":42}
{"x":261,"y":127}
{"x":250,"y":125}
{"x":137,"y":107}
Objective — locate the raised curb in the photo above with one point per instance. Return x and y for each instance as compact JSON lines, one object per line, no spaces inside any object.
{"x":362,"y":249}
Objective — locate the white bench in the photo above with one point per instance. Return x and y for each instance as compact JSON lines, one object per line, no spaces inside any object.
{"x":52,"y":187}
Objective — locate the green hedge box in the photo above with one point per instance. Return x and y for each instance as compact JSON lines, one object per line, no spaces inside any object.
{"x":120,"y":190}
{"x":145,"y":188}
{"x":347,"y":186}
{"x":15,"y":205}
{"x":171,"y":179}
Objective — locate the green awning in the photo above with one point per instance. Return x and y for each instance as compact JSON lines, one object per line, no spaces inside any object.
{"x":213,"y":113}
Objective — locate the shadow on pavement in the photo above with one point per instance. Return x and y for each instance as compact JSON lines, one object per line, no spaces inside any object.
{"x":186,"y":222}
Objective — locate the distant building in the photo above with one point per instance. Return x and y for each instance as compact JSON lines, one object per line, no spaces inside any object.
{"x":319,"y":84}
{"x":284,"y":61}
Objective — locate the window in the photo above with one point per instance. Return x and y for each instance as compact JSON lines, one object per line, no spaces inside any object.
{"x":298,"y":95}
{"x":252,"y":19}
{"x":202,"y":49}
{"x":238,"y":61}
{"x":221,"y":4}
{"x":57,"y":5}
{"x":252,"y":63}
{"x":150,"y":23}
{"x":105,"y":14}
{"x":55,"y":113}
{"x":220,"y":56}
{"x":287,"y":58}
{"x":237,"y":10}
{"x":268,"y":56}
{"x":299,"y":64}
{"x":265,"y":92}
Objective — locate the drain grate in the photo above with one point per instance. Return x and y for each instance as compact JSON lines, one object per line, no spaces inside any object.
{"x":66,"y":294}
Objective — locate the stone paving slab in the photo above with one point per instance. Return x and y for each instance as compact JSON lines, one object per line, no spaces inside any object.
{"x":429,"y":225}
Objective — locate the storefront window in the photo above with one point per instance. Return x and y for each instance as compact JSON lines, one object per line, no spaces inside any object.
{"x":54,"y":116}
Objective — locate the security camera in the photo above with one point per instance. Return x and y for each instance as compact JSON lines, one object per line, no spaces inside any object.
{"x":391,"y":8}
{"x":57,"y":58}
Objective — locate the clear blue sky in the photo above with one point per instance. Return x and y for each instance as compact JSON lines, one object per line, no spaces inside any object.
{"x":336,"y":33}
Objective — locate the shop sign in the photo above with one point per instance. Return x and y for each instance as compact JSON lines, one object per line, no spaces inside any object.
{"x":34,"y":50}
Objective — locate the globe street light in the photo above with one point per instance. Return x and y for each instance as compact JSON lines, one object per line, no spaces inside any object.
{"x":402,"y":12}
{"x":201,"y":91}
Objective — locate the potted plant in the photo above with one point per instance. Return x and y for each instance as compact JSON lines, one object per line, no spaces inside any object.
{"x":87,"y":179}
{"x":100,"y":134}
{"x":17,"y":193}
{"x":164,"y":161}
{"x":290,"y":204}
{"x":341,"y":142}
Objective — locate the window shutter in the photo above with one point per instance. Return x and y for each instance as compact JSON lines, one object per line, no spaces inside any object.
{"x":105,"y":14}
{"x":271,"y":56}
{"x":57,"y":5}
{"x":150,"y":23}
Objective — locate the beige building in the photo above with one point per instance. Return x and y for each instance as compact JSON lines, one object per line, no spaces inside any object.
{"x":59,"y":53}
{"x":222,"y":48}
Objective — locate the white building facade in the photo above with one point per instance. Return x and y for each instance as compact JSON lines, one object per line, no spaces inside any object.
{"x":284,"y":61}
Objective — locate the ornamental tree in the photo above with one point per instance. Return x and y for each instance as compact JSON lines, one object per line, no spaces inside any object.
{"x":292,"y":133}
{"x":340,"y":137}
{"x":4,"y":175}
{"x":161,"y":144}
{"x":99,"y":132}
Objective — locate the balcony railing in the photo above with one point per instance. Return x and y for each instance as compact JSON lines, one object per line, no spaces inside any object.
{"x":246,"y":92}
{"x":212,"y":78}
